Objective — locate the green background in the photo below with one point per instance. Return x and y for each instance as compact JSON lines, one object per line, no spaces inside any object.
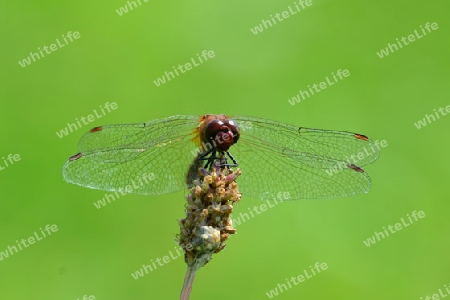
{"x":118,"y":57}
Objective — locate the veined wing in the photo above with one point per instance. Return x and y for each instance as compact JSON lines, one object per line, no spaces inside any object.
{"x":150,"y":158}
{"x":307,"y":163}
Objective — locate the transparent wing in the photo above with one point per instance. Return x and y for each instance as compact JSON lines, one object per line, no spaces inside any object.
{"x":307,"y":163}
{"x":149,"y":158}
{"x":154,"y":157}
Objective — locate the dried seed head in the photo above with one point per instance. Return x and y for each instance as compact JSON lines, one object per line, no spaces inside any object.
{"x":208,"y":224}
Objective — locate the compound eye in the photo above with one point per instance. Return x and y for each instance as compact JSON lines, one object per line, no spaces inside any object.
{"x":222,"y":134}
{"x":212,"y":129}
{"x":233,"y":126}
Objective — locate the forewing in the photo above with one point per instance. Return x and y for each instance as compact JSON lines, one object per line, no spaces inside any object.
{"x":307,"y":163}
{"x":146,"y":158}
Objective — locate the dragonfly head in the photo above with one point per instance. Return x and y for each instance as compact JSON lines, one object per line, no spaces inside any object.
{"x":222,"y":134}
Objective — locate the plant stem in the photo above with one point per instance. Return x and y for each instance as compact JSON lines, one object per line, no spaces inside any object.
{"x":188,"y":281}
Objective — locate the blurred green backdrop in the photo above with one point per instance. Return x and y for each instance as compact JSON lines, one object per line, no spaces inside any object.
{"x":117,"y":58}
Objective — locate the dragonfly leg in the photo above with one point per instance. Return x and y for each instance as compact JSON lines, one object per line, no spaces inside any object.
{"x":235,"y":164}
{"x":222,"y":161}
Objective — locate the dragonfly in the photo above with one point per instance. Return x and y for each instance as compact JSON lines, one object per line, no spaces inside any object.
{"x":273,"y":156}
